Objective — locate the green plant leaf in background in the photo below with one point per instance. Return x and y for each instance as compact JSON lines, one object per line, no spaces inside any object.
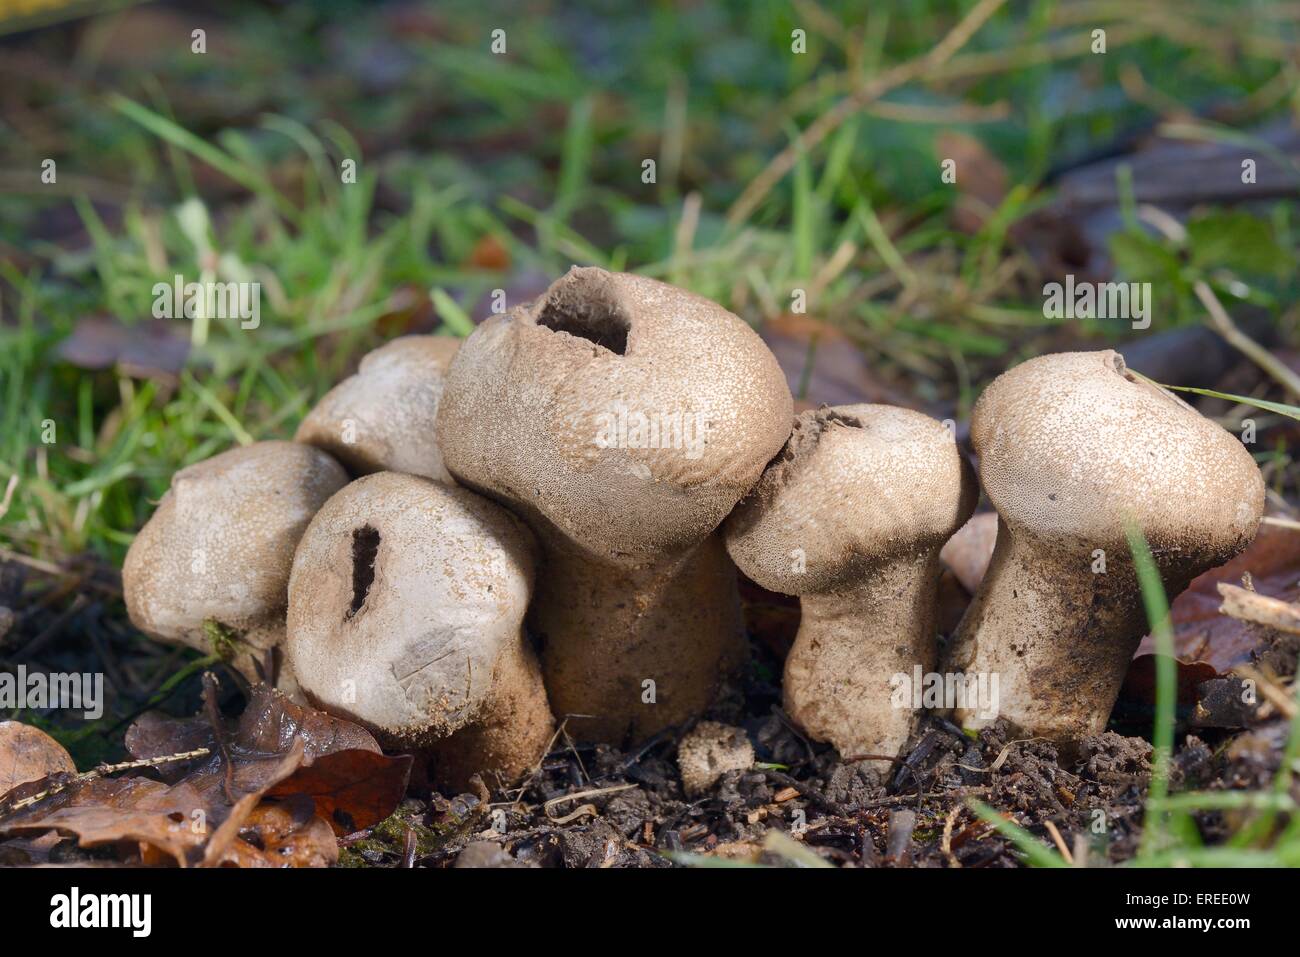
{"x":1236,"y":240}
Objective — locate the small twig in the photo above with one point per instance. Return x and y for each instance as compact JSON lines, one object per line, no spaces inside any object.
{"x":1001,"y":759}
{"x":805,"y":791}
{"x":1247,"y":346}
{"x":946,"y":844}
{"x":219,"y":734}
{"x":1282,"y":522}
{"x":590,"y":792}
{"x":583,"y":811}
{"x":1220,"y":321}
{"x":409,"y":848}
{"x":9,"y":495}
{"x":537,"y":767}
{"x":105,"y":769}
{"x":1259,"y":609}
{"x":1059,"y":841}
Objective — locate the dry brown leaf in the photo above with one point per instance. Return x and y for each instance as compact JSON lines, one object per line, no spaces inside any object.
{"x":152,"y":349}
{"x":29,"y":754}
{"x":981,"y":178}
{"x":280,"y":834}
{"x":816,"y":355}
{"x":244,"y":804}
{"x":98,"y":811}
{"x":1202,"y":633}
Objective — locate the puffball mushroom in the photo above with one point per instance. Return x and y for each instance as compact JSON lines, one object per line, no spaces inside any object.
{"x":851,"y":517}
{"x":406,"y":610}
{"x":1072,"y":447}
{"x":210,"y":569}
{"x":382,"y":418}
{"x":622,"y":418}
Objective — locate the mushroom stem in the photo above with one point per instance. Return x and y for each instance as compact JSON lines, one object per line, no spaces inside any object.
{"x":609,"y":631}
{"x":840,"y":675}
{"x":512,"y":735}
{"x":1061,"y":674}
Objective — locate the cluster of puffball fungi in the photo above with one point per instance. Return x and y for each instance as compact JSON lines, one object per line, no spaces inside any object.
{"x":456,"y":552}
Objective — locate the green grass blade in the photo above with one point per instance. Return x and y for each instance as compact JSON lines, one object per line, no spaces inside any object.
{"x":1281,"y":408}
{"x":1026,"y":843}
{"x":1155,"y":832}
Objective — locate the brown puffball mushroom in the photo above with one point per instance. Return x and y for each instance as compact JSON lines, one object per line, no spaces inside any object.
{"x":382,"y":418}
{"x":210,"y":569}
{"x":622,"y":418}
{"x":1072,"y":447}
{"x":851,"y":517}
{"x":406,"y":610}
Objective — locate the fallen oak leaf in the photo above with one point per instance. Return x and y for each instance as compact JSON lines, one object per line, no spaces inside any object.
{"x":285,"y":833}
{"x":272,"y":721}
{"x":353,"y":789}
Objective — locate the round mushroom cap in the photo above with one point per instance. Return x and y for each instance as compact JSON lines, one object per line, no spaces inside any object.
{"x":625,"y":413}
{"x":855,"y":487}
{"x":404,"y":596}
{"x":220,"y":544}
{"x":1074,"y":445}
{"x":382,"y":418}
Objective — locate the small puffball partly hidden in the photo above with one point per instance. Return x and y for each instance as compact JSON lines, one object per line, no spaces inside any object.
{"x":210,"y":569}
{"x":968,"y":552}
{"x":383,"y":417}
{"x":708,"y":752}
{"x":406,"y":609}
{"x":480,"y":854}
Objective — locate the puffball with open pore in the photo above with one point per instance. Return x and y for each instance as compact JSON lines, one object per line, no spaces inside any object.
{"x":382,"y":418}
{"x":851,"y":517}
{"x":406,"y":610}
{"x":622,"y":418}
{"x":213,"y":561}
{"x":1073,"y":447}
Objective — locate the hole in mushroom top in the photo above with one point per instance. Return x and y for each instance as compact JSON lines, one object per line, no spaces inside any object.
{"x":365,"y":546}
{"x":588,"y":314}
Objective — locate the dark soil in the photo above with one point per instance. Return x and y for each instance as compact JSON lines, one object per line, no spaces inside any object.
{"x":608,"y":807}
